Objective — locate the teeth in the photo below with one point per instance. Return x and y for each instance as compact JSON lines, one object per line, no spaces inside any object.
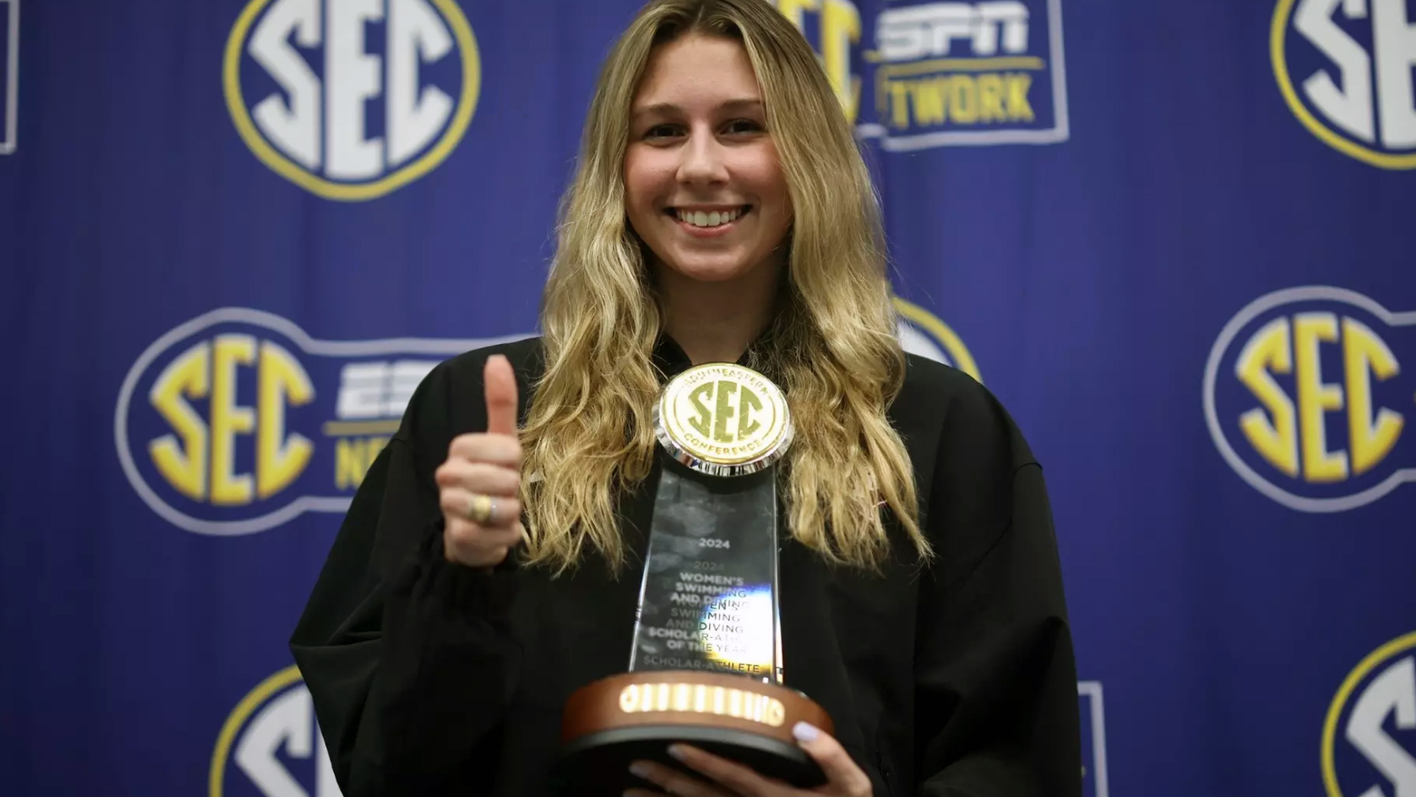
{"x":700,"y":219}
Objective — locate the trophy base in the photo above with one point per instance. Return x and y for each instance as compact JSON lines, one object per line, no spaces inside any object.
{"x":632,"y":717}
{"x":598,"y":764}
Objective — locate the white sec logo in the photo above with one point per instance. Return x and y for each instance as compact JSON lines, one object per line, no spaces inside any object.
{"x":355,"y":98}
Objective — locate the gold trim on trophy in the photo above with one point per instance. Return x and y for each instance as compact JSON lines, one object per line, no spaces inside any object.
{"x":701,"y":698}
{"x":723,"y":419}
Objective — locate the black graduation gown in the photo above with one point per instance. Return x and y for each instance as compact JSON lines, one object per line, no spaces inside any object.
{"x":956,"y":680}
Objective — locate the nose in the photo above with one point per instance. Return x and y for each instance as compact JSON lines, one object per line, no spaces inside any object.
{"x":701,"y":160}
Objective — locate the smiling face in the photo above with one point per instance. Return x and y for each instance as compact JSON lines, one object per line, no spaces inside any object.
{"x":704,"y":187}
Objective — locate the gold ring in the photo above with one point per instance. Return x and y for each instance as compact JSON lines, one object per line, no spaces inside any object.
{"x":481,"y":509}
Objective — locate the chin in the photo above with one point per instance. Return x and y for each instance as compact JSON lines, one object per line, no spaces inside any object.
{"x":710,"y":272}
{"x":712,"y":275}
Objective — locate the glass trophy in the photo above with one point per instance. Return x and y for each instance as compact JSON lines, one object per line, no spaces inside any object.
{"x":705,"y":666}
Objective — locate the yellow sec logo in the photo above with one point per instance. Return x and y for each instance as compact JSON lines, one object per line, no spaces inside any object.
{"x":1306,"y":399}
{"x":238,"y":421}
{"x":351,"y":99}
{"x":724,"y":414}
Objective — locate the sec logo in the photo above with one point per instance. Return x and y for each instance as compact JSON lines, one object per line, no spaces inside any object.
{"x":1344,"y":68}
{"x":1368,"y":731}
{"x":1306,"y":399}
{"x":351,"y":99}
{"x":923,"y":333}
{"x":237,"y":421}
{"x":270,"y":745}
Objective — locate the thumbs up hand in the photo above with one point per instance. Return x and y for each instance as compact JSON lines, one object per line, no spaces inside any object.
{"x":478,"y":483}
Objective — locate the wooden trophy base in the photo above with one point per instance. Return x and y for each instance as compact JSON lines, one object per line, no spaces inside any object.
{"x":616,"y":721}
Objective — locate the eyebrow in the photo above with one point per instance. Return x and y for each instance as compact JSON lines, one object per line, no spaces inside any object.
{"x":670,"y":108}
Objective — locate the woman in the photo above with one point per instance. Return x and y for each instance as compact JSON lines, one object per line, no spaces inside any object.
{"x":489,"y":564}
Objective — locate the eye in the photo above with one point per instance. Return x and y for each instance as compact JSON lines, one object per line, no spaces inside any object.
{"x":662,"y":131}
{"x":742,"y":126}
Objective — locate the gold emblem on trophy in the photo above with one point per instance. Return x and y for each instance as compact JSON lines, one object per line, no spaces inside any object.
{"x":723,"y":420}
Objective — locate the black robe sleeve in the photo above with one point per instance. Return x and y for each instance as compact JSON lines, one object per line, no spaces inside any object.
{"x":408,"y":657}
{"x":997,"y":706}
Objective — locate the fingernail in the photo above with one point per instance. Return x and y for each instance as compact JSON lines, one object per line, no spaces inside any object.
{"x":677,"y":751}
{"x":639,"y":769}
{"x":805,"y":732}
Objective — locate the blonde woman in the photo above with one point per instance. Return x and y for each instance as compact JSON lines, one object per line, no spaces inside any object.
{"x":489,"y":564}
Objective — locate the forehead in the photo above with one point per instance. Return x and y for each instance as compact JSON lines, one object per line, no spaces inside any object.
{"x":697,"y":71}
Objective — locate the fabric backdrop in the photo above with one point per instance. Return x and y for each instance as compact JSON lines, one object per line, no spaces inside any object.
{"x":1174,"y":238}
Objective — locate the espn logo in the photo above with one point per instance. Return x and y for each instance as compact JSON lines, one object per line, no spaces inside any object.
{"x":968,"y":74}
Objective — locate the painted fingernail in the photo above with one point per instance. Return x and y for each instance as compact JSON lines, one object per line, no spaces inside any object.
{"x":639,"y":769}
{"x":677,"y":751}
{"x":805,"y":732}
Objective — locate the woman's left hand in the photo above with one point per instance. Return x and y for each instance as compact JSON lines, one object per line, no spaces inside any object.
{"x":843,"y":777}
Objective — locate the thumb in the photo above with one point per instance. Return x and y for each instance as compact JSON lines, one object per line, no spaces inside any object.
{"x":500,"y":386}
{"x":842,"y":774}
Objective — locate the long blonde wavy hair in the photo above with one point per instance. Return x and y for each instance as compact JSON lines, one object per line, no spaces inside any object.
{"x":589,"y":436}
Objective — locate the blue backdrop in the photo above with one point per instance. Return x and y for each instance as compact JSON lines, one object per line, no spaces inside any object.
{"x":1174,"y":238}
